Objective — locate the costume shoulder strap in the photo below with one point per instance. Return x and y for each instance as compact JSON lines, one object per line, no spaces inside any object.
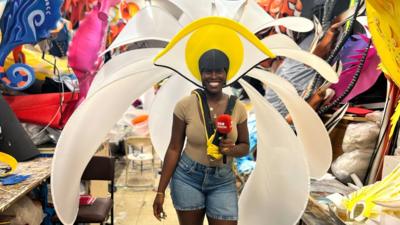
{"x":231,"y":105}
{"x":205,"y":112}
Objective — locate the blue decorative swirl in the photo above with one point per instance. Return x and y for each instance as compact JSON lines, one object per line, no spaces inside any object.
{"x":18,"y":77}
{"x":27,"y":22}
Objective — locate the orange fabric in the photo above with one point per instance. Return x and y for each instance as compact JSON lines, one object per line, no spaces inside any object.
{"x":128,"y":9}
{"x":18,"y":55}
{"x":281,"y":8}
{"x":140,"y":119}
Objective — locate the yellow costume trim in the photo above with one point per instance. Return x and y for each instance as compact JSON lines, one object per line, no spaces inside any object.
{"x":219,"y":33}
{"x":384,"y":25}
{"x":394,"y":119}
{"x":10,"y":161}
{"x":212,"y":150}
{"x":388,"y":188}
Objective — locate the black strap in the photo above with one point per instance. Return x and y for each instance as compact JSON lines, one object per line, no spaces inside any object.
{"x":231,"y":105}
{"x":209,"y":123}
{"x":210,"y":127}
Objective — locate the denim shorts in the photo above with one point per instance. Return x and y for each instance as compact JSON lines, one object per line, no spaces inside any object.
{"x":195,"y":186}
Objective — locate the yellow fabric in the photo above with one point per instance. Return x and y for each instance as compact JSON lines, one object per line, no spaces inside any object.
{"x":384,"y":25}
{"x":387,"y":189}
{"x":213,"y":150}
{"x":42,"y":68}
{"x":394,"y":119}
{"x":10,"y":161}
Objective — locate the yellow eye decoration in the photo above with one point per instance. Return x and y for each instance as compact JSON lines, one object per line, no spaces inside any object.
{"x":243,"y":49}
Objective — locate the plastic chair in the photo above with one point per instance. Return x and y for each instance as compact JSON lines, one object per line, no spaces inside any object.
{"x":134,"y":150}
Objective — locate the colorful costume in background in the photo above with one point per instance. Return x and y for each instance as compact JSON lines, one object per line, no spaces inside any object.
{"x":24,"y":22}
{"x":85,"y":61}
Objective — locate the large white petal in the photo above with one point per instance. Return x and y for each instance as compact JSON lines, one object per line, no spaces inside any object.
{"x":280,"y":41}
{"x":228,"y":8}
{"x":276,"y":45}
{"x":162,"y":109}
{"x":86,"y":130}
{"x":277,"y":190}
{"x":309,"y":127}
{"x":254,"y":16}
{"x":150,"y":23}
{"x":294,"y":23}
{"x":118,"y":62}
{"x":194,"y":9}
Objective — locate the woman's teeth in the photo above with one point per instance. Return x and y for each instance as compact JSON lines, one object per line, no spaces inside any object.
{"x":214,"y":84}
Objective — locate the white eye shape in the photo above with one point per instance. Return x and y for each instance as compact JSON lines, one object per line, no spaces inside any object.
{"x":243,"y":49}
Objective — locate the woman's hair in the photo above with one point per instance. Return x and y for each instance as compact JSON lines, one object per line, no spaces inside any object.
{"x":213,"y":60}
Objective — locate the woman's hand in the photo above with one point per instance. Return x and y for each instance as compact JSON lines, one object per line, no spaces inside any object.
{"x":226,"y":146}
{"x":158,"y":210}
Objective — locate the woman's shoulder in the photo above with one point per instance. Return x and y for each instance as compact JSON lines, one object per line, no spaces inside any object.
{"x":240,"y":111}
{"x":186,"y":101}
{"x":240,"y":105}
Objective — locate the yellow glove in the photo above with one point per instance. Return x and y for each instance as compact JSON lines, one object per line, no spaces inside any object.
{"x":213,"y":150}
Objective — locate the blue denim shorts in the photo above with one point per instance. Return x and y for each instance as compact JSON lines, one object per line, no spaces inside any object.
{"x":195,"y":186}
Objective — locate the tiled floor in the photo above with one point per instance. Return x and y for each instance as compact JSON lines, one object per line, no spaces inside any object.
{"x":133,"y":205}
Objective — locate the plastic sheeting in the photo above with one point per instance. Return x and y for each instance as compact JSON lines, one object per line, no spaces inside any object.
{"x":269,"y":196}
{"x":87,"y":128}
{"x":360,"y":136}
{"x":356,"y":162}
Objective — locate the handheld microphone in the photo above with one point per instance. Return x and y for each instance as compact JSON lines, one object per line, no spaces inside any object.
{"x":224,"y":126}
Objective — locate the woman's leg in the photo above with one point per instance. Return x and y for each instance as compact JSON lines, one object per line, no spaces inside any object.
{"x":194,"y":217}
{"x":212,"y":221}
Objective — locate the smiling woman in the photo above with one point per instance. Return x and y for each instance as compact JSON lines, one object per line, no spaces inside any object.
{"x":202,"y":181}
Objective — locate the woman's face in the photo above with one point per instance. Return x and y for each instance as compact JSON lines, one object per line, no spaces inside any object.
{"x":213,"y":81}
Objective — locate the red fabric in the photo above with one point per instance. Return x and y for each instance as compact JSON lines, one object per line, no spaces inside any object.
{"x":41,"y":108}
{"x":358,"y":111}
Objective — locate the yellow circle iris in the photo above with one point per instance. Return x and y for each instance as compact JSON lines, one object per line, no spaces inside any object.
{"x":214,"y":37}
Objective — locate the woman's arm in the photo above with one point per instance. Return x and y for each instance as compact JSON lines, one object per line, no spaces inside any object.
{"x":241,"y":148}
{"x":170,"y":161}
{"x":173,"y":153}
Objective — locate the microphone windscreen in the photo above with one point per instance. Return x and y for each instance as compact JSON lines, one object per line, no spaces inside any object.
{"x":224,"y":123}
